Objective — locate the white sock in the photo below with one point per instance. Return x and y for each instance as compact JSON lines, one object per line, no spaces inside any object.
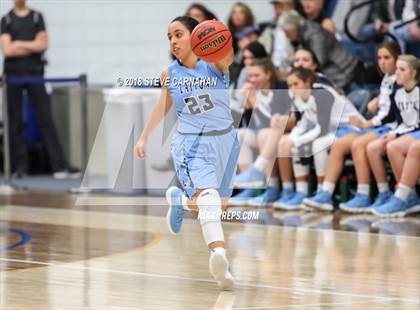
{"x":319,"y":187}
{"x":287,"y":185}
{"x":402,"y":192}
{"x":383,"y":187}
{"x":219,"y":250}
{"x":261,"y":163}
{"x":184,"y":200}
{"x":328,"y":187}
{"x":363,"y":189}
{"x":302,"y":187}
{"x":273,"y":182}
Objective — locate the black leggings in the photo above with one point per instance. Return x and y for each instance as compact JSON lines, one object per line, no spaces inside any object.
{"x":40,"y":104}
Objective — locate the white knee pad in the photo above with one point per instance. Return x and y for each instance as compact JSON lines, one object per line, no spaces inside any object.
{"x":320,"y":148}
{"x":298,"y":169}
{"x":210,"y":209}
{"x":210,"y":206}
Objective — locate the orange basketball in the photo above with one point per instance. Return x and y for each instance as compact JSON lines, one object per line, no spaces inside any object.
{"x":211,"y":41}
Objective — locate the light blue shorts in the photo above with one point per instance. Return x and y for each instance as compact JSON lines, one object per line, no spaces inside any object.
{"x":378,"y":131}
{"x":416,"y":134}
{"x":347,"y":130}
{"x":203,"y":162}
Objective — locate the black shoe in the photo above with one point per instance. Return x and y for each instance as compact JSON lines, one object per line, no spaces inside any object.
{"x":67,"y":173}
{"x":20,"y":172}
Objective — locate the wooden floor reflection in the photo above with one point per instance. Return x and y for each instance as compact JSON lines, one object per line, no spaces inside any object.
{"x":103,"y":256}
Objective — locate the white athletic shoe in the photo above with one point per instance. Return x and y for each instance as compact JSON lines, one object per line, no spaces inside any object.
{"x":219,"y":268}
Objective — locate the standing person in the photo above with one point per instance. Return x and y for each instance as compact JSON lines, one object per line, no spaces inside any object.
{"x":204,"y":149}
{"x":23,"y":41}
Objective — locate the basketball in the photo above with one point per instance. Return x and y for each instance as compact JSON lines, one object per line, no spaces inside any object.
{"x":211,"y":41}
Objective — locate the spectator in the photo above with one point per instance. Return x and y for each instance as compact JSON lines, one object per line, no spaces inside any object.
{"x":336,"y":61}
{"x":240,"y":17}
{"x":307,"y":59}
{"x":314,"y":11}
{"x":274,"y":39}
{"x":356,"y":22}
{"x":246,"y":36}
{"x":199,"y":12}
{"x":23,"y":41}
{"x":409,"y":33}
{"x":279,"y":6}
{"x":261,"y":102}
{"x":252,"y":51}
{"x":355,"y":26}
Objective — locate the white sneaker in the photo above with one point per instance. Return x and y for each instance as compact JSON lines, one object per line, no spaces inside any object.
{"x":219,"y":268}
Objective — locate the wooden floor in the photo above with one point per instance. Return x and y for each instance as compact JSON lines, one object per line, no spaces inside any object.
{"x":65,"y":252}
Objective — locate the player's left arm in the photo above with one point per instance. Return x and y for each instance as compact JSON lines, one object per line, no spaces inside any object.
{"x":223,"y":64}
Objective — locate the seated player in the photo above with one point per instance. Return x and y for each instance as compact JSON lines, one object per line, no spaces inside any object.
{"x":405,"y":107}
{"x":256,"y":175}
{"x":324,"y":110}
{"x":349,"y":138}
{"x":264,"y":101}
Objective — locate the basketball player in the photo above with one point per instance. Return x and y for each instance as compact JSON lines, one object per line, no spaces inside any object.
{"x":205,"y":147}
{"x":354,"y":142}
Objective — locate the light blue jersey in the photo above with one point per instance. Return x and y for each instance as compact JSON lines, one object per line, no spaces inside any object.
{"x":200,"y":97}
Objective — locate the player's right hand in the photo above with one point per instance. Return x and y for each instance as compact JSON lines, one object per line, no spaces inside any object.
{"x":139,"y":149}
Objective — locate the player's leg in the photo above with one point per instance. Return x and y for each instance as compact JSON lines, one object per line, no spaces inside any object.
{"x":183,"y":149}
{"x":209,"y":201}
{"x":405,"y":200}
{"x":204,"y":159}
{"x":271,"y":192}
{"x":248,"y":141}
{"x":301,"y":172}
{"x":375,"y":152}
{"x":285,"y":168}
{"x":339,"y":150}
{"x":396,"y":151}
{"x":254,"y":177}
{"x":361,"y":201}
{"x":320,"y":150}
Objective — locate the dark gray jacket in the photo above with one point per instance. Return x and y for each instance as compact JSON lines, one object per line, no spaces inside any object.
{"x":337,"y":63}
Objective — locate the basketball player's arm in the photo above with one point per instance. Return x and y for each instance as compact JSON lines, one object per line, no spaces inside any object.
{"x":223,"y":65}
{"x":10,"y":48}
{"x":38,"y":45}
{"x":158,"y":113}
